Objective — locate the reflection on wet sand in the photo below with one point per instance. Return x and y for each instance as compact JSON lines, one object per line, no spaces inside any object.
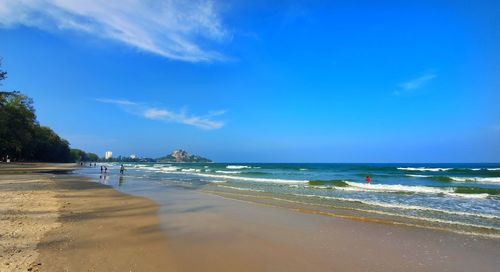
{"x":121,"y":180}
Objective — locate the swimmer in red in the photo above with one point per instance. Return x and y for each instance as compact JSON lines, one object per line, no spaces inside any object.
{"x":368,"y":179}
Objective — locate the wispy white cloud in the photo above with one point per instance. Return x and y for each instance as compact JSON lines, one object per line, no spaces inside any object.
{"x":122,"y":102}
{"x":415,"y":83}
{"x":163,"y":114}
{"x":169,"y":28}
{"x":153,"y":113}
{"x":204,"y":122}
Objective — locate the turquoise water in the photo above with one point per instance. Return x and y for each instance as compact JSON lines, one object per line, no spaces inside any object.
{"x":461,"y":197}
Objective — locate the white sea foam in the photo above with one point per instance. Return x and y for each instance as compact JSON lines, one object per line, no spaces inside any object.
{"x":477,"y":179}
{"x":464,"y":179}
{"x":149,"y":168}
{"x":161,"y":165}
{"x":416,"y":217}
{"x":228,"y":172}
{"x":319,"y":186}
{"x":370,"y":187}
{"x":217,"y":181}
{"x":168,"y":169}
{"x":404,"y":207}
{"x":430,"y":169}
{"x":396,"y":188}
{"x":133,"y":165}
{"x":241,"y":189}
{"x":367,"y":187}
{"x":484,"y":195}
{"x":190,"y":170}
{"x":269,"y":180}
{"x":302,"y":169}
{"x":417,"y":176}
{"x":493,"y":169}
{"x":237,"y":166}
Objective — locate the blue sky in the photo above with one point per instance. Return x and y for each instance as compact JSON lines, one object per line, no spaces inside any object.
{"x":291,"y":81}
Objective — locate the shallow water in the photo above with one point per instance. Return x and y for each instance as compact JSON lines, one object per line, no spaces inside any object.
{"x":460,"y":197}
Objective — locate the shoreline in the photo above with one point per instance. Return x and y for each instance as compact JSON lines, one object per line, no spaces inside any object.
{"x":35,"y":167}
{"x":92,"y":227}
{"x":355,"y":214}
{"x":160,"y":227}
{"x":272,"y":238}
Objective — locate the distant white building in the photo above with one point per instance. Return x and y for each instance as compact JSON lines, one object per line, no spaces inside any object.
{"x":132,"y":156}
{"x":108,"y":155}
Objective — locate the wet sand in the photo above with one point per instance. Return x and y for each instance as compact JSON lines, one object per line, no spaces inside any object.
{"x":232,"y":234}
{"x":69,"y":223}
{"x":18,"y":168}
{"x":104,"y":230}
{"x":88,"y":226}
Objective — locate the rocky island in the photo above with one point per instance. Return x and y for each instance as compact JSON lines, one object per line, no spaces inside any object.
{"x":180,"y":155}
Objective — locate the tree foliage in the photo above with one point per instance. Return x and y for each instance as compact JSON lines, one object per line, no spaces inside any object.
{"x":22,"y":138}
{"x":3,"y":74}
{"x":80,"y":155}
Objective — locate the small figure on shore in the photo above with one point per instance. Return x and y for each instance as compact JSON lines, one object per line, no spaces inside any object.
{"x":81,"y":163}
{"x":368,"y":179}
{"x":102,"y":168}
{"x":122,"y":168}
{"x":105,"y":169}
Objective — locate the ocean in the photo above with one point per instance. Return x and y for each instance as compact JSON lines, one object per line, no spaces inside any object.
{"x":462,"y":198}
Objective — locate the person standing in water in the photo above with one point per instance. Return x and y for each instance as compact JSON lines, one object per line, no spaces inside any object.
{"x":122,"y":168}
{"x":368,"y":179}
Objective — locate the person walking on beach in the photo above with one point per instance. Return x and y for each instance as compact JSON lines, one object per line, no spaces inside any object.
{"x":122,"y":168}
{"x":102,"y":168}
{"x":368,"y":179}
{"x":105,"y":169}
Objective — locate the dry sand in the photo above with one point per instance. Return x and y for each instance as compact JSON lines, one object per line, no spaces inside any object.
{"x":28,"y":210}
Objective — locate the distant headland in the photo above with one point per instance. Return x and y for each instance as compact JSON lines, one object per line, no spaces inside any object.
{"x":176,"y":156}
{"x":180,"y":155}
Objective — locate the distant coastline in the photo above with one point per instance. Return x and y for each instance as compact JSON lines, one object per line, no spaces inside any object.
{"x":176,"y":156}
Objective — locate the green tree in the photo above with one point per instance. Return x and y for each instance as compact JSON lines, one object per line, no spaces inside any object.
{"x":22,"y":138}
{"x":3,"y":74}
{"x":77,"y":154}
{"x":80,"y":155}
{"x":17,"y":122}
{"x":48,"y":146}
{"x":92,"y":157}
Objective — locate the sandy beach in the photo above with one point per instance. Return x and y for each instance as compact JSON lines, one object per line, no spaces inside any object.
{"x":63,"y":222}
